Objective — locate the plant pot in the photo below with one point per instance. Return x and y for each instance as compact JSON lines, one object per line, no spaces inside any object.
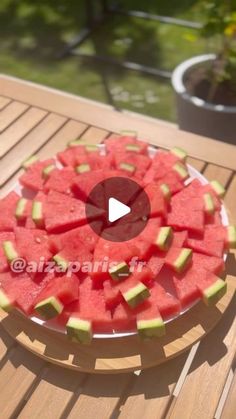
{"x":195,"y":114}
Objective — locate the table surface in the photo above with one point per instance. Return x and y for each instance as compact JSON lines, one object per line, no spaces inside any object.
{"x":200,"y":383}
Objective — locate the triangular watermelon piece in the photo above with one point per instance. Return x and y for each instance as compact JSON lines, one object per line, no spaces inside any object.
{"x":33,"y":178}
{"x":157,"y":201}
{"x":186,"y":219}
{"x":84,"y":234}
{"x":21,"y":289}
{"x":90,"y":306}
{"x":60,"y":180}
{"x":62,"y":212}
{"x":64,"y":288}
{"x":33,"y":245}
{"x":112,"y":290}
{"x":7,"y":211}
{"x":71,"y":155}
{"x":211,"y":263}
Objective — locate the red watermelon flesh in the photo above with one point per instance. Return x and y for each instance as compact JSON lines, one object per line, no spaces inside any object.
{"x":97,"y":161}
{"x":140,"y":162}
{"x":165,"y":158}
{"x":7,"y":236}
{"x":108,"y":252}
{"x":32,"y":245}
{"x":21,"y":289}
{"x":60,"y":180}
{"x":64,"y":288}
{"x":112,"y":291}
{"x":7,"y":211}
{"x":186,"y":219}
{"x":62,"y":212}
{"x":166,"y":303}
{"x":216,"y":233}
{"x":74,"y":251}
{"x":208,"y":247}
{"x":90,"y":306}
{"x":118,"y":144}
{"x":173,"y":181}
{"x":71,"y":155}
{"x":186,"y":289}
{"x":203,"y":279}
{"x":84,"y":234}
{"x":214,"y":219}
{"x":33,"y":178}
{"x":179,"y":238}
{"x":124,"y":319}
{"x":157,"y":201}
{"x":155,"y":263}
{"x":84,"y":184}
{"x":165,"y":279}
{"x":211,"y":263}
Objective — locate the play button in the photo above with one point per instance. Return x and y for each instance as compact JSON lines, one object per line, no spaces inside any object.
{"x":116,"y":210}
{"x":126,"y":207}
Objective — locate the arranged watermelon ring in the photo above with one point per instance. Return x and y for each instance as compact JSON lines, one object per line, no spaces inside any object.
{"x":183,"y":246}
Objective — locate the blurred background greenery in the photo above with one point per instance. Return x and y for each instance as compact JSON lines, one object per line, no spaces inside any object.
{"x":33,"y":33}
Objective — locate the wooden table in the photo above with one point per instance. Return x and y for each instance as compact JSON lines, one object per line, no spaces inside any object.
{"x":200,"y":383}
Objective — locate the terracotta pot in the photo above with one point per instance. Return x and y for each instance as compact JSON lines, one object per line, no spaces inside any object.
{"x":195,"y":114}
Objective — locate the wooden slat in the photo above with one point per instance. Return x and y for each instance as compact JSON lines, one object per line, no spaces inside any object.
{"x":29,"y":145}
{"x":152,"y":390}
{"x":95,"y":135}
{"x":103,"y":116}
{"x":53,"y":393}
{"x":215,"y":172}
{"x":20,"y":128}
{"x":10,"y":113}
{"x":17,"y":376}
{"x":209,"y":371}
{"x":100,"y":396}
{"x":5,"y":342}
{"x":230,"y":404}
{"x":197,"y":164}
{"x":4,"y":102}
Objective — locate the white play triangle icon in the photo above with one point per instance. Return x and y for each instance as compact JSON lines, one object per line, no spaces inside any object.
{"x":116,"y":210}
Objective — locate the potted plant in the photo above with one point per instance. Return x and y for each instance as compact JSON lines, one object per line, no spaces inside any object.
{"x":205,"y":85}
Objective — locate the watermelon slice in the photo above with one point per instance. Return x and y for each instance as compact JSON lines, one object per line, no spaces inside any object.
{"x":85,"y":183}
{"x":73,"y":155}
{"x":33,"y":245}
{"x":126,"y":143}
{"x":21,"y":289}
{"x":90,"y":306}
{"x":73,"y":251}
{"x":62,"y":212}
{"x":33,"y":178}
{"x":7,"y":211}
{"x":84,"y":234}
{"x":139,"y":162}
{"x":113,"y":291}
{"x":211,"y":263}
{"x":60,"y":180}
{"x":186,"y":219}
{"x":157,"y":200}
{"x":63,"y":288}
{"x":7,"y":236}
